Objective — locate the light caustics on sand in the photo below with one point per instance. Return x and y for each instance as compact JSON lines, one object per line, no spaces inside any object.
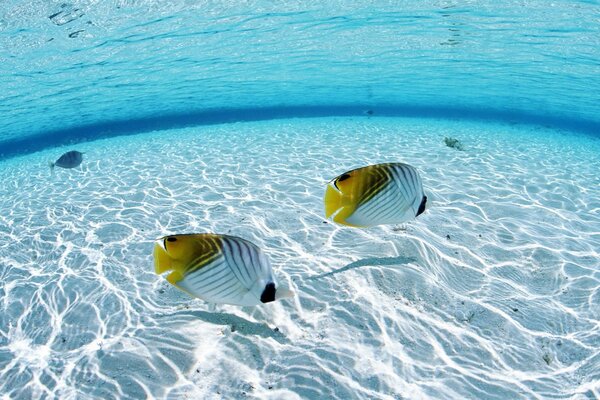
{"x":493,"y":291}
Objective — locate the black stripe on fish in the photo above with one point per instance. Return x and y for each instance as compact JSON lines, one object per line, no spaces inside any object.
{"x":375,"y":182}
{"x":237,"y":261}
{"x":226,"y":288}
{"x":388,"y":205}
{"x":341,"y":178}
{"x":206,"y":277}
{"x":422,"y":206}
{"x":401,"y":183}
{"x":374,"y":208}
{"x":249,"y":267}
{"x":268,"y":295}
{"x":238,"y":291}
{"x":255,"y":260}
{"x":412,"y":182}
{"x":210,"y":250}
{"x":404,"y":184}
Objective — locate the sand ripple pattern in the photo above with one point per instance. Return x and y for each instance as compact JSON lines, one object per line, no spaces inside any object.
{"x":493,"y":293}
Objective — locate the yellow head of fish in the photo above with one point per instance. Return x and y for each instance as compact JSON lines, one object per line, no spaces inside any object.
{"x":342,"y":196}
{"x":175,"y":253}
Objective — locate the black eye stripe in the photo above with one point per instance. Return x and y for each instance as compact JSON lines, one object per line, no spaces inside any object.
{"x":168,"y":239}
{"x":343,"y":177}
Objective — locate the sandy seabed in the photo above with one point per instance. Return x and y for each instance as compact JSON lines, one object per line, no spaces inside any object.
{"x":493,"y":293}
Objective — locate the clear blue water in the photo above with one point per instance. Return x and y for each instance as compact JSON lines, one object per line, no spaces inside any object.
{"x":231,"y":118}
{"x":92,"y":64}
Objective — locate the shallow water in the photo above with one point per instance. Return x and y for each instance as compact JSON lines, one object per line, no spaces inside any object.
{"x":492,"y":293}
{"x":68,"y":64}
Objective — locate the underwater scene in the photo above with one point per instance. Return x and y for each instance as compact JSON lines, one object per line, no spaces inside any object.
{"x":303,"y":200}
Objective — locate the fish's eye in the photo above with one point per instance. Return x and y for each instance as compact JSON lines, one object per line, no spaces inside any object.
{"x":343,"y":177}
{"x":340,"y":178}
{"x":167,"y":239}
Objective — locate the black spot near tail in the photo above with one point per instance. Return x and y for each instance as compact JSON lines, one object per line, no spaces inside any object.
{"x":422,"y":206}
{"x":268,"y":294}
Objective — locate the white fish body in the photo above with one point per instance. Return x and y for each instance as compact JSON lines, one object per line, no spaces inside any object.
{"x":218,"y":269}
{"x":375,"y":195}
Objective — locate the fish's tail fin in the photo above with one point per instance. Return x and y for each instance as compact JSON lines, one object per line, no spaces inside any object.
{"x":284,"y":293}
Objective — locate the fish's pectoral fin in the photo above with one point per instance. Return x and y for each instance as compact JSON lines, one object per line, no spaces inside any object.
{"x":174,"y":277}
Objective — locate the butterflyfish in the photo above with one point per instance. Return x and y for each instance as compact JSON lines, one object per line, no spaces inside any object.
{"x":377,"y":194}
{"x":218,"y":269}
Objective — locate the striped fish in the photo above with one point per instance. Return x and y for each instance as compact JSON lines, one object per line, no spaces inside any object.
{"x":375,"y":195}
{"x":218,"y":269}
{"x":71,"y":159}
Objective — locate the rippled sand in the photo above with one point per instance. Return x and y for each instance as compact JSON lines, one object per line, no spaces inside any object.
{"x":494,"y":292}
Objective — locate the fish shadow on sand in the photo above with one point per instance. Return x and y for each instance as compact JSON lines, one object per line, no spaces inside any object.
{"x":367,"y":262}
{"x":236,"y":324}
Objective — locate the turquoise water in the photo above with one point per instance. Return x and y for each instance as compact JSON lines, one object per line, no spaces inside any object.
{"x":232,"y":118}
{"x":118,"y":61}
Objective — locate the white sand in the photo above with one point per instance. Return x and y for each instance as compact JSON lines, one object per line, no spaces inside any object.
{"x":493,"y":293}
